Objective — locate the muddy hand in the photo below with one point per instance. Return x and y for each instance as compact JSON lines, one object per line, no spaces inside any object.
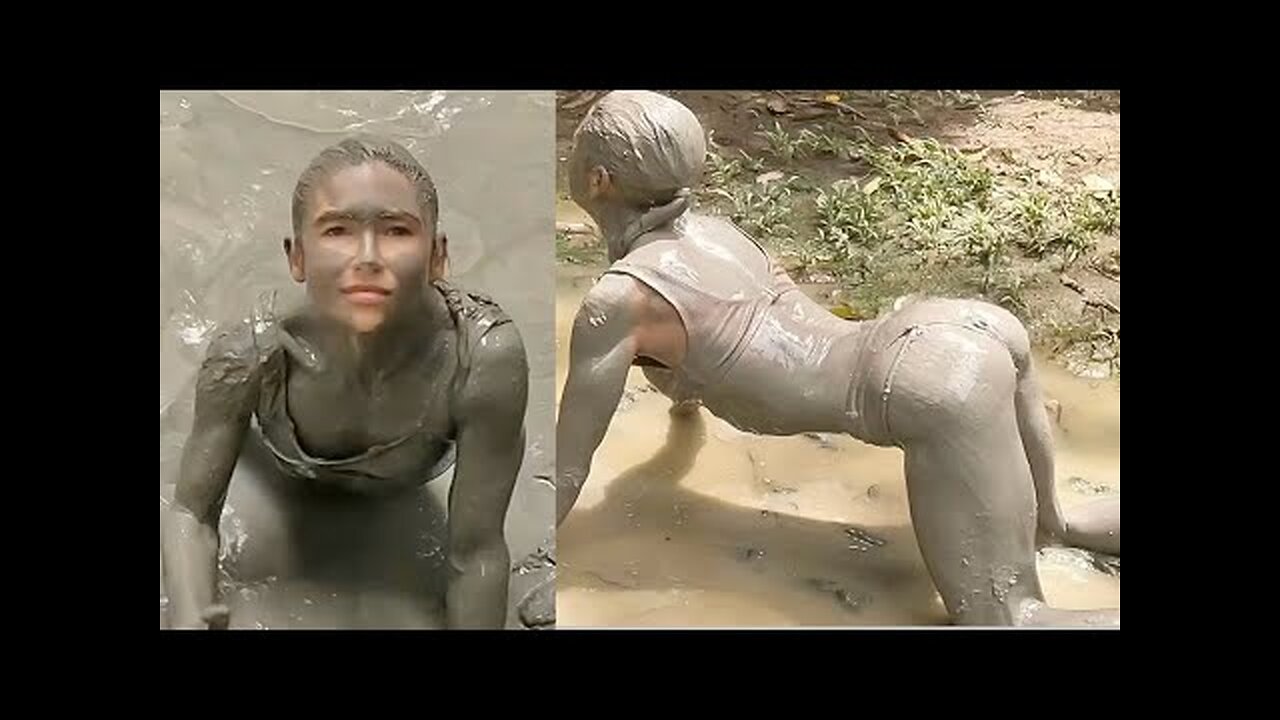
{"x":216,"y":617}
{"x":685,"y":408}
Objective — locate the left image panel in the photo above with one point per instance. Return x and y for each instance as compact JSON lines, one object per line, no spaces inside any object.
{"x":357,"y":359}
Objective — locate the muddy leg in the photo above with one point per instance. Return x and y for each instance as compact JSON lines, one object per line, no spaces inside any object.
{"x":969,"y":481}
{"x":974,"y":514}
{"x":1095,"y":525}
{"x":1092,"y":526}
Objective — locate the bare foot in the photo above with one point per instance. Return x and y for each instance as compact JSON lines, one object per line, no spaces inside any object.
{"x":216,"y":617}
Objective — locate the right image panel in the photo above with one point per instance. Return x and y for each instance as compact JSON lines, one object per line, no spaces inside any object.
{"x":838,"y":358}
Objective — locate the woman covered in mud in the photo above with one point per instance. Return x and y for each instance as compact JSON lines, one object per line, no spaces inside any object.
{"x":715,"y":322}
{"x":386,"y":378}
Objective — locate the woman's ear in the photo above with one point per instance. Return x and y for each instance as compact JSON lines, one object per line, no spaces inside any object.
{"x":293,"y":253}
{"x":439,"y":262}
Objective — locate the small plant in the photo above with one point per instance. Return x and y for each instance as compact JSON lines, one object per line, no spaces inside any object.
{"x":821,"y":143}
{"x":984,"y":242}
{"x":762,"y":210}
{"x":723,"y":171}
{"x":848,"y":216}
{"x":923,"y":170}
{"x":1030,"y":214}
{"x":1096,"y":212}
{"x":781,"y":144}
{"x":1031,"y":211}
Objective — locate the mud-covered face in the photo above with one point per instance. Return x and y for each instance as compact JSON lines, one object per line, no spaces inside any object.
{"x":366,"y":250}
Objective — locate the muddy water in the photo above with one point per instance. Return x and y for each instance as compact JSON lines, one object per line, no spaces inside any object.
{"x":693,"y":523}
{"x":228,"y":162}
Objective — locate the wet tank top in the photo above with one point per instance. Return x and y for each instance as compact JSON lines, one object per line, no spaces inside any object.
{"x":721,"y":289}
{"x":276,"y":428}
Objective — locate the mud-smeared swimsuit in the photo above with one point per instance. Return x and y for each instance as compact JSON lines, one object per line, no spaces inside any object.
{"x":472,"y":313}
{"x":721,"y":291}
{"x":749,"y":329}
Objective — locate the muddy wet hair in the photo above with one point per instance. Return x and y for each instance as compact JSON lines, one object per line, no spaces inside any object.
{"x":359,"y":150}
{"x":653,"y":147}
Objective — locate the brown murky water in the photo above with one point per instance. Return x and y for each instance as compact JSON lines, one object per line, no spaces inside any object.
{"x":691,"y":523}
{"x":228,"y":162}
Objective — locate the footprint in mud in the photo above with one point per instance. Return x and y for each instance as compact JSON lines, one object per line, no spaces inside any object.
{"x":861,"y":540}
{"x":853,"y":601}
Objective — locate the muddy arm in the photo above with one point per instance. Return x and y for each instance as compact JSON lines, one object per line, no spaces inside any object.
{"x":226,"y":390}
{"x":491,"y":443}
{"x":601,"y":350}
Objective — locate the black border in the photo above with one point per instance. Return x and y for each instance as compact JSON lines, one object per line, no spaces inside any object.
{"x":970,"y":50}
{"x":1061,"y":73}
